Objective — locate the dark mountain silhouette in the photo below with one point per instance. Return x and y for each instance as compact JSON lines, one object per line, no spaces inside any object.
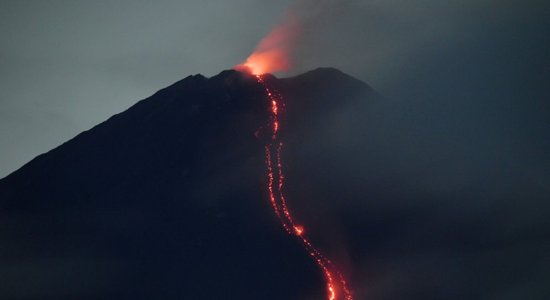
{"x":167,"y":200}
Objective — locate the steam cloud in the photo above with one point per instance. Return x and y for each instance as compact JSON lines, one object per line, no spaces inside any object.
{"x":273,"y":53}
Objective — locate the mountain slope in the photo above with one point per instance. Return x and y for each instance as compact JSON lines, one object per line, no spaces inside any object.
{"x":167,"y":199}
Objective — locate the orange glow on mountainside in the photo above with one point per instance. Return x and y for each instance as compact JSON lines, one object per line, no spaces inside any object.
{"x":336,"y":284}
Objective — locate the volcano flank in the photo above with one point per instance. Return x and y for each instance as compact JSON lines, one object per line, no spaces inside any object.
{"x":167,"y":200}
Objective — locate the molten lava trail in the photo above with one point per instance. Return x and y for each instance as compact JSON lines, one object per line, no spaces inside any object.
{"x":336,"y":285}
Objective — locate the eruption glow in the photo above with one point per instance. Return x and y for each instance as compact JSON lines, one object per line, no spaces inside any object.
{"x":273,"y":52}
{"x":336,"y":285}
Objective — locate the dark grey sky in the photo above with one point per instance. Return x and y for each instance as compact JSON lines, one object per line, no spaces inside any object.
{"x":68,"y":65}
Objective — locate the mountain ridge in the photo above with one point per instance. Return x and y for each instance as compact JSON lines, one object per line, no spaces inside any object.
{"x":166,"y":185}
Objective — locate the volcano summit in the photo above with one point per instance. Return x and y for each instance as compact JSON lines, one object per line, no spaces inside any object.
{"x":168,"y":200}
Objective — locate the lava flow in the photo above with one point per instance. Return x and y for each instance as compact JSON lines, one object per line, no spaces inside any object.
{"x":336,"y":285}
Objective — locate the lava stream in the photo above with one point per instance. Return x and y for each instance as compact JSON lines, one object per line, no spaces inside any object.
{"x":336,"y":285}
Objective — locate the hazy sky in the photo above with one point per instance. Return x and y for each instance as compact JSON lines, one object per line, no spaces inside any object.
{"x":68,"y":65}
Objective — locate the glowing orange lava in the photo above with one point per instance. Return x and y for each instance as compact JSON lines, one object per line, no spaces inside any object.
{"x":336,"y":285}
{"x":299,"y":230}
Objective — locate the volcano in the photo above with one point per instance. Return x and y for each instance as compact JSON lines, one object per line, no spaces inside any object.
{"x":167,"y":200}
